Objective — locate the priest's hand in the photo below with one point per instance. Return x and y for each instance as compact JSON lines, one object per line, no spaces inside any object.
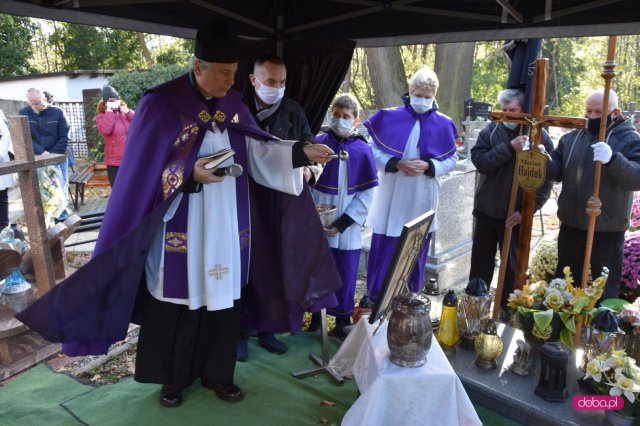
{"x":330,"y":231}
{"x":513,"y":220}
{"x":202,"y":175}
{"x":317,"y":153}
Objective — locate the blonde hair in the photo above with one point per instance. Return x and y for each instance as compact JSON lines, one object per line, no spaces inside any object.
{"x":425,"y":79}
{"x":348,"y":101}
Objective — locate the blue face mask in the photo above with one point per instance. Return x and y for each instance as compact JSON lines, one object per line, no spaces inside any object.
{"x":510,"y":126}
{"x":341,"y":126}
{"x":421,"y":105}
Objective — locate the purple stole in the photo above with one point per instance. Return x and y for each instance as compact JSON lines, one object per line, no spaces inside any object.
{"x":360,"y":164}
{"x":175,"y":246}
{"x":390,"y":130}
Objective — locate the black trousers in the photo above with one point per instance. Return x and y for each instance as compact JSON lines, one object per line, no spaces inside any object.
{"x":112,"y":171}
{"x":178,"y":345}
{"x":4,"y":208}
{"x":488,"y":235}
{"x":608,"y":250}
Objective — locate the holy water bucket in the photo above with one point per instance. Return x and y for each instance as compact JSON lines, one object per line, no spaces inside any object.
{"x":409,"y":333}
{"x":326,"y":212}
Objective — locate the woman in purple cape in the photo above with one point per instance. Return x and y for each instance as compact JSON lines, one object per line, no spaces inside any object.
{"x":413,"y":145}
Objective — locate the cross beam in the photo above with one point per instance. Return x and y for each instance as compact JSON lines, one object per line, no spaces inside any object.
{"x":25,"y":165}
{"x":535,"y":120}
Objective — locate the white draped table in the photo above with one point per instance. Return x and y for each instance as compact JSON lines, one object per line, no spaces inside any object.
{"x":392,"y":395}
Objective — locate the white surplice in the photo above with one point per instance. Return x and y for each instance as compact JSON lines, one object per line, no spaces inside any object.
{"x":213,"y":243}
{"x":355,"y":205}
{"x":401,"y":198}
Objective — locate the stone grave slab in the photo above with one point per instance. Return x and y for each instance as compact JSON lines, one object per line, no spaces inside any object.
{"x":512,"y":395}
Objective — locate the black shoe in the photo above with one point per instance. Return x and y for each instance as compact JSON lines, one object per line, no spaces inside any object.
{"x":338,"y":332}
{"x":169,"y":397}
{"x":228,"y":392}
{"x":365,"y":302}
{"x":242,"y":350}
{"x":315,"y":323}
{"x":270,"y":343}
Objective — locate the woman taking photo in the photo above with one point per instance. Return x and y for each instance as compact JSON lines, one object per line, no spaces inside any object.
{"x":113,"y":121}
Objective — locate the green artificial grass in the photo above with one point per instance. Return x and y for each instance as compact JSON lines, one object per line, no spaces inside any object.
{"x":272,"y":396}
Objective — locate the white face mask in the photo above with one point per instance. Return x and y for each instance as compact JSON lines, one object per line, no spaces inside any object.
{"x":113,"y":105}
{"x":341,"y":126}
{"x":421,"y":105}
{"x":510,"y":126}
{"x":267,"y":94}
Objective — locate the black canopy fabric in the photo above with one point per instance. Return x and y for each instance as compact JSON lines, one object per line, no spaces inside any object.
{"x":369,"y":22}
{"x":315,"y":71}
{"x":312,"y":34}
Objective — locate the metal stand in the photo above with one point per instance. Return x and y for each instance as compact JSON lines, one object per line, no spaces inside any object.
{"x":322,"y":363}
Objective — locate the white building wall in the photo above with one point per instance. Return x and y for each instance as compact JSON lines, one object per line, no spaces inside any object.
{"x":17,"y":89}
{"x":76,"y":85}
{"x":62,"y":87}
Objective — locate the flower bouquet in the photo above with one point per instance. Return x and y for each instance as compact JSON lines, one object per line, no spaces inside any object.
{"x":631,"y":262}
{"x":544,"y":261}
{"x":53,"y":197}
{"x":617,"y":375}
{"x":548,"y":311}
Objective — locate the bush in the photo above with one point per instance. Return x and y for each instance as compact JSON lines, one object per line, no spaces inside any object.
{"x":132,"y":84}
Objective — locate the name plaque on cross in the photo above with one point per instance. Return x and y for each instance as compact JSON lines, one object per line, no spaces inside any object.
{"x":531,"y":169}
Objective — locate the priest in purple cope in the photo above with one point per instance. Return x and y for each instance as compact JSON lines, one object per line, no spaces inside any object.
{"x":173,"y":251}
{"x":413,"y":145}
{"x":347,"y":183}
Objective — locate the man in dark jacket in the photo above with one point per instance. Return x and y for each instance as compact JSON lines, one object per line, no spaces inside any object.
{"x":494,"y":156}
{"x":285,"y":118}
{"x":49,"y":132}
{"x":573,"y":164}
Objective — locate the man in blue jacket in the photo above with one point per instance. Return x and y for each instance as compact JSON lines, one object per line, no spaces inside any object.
{"x":49,"y":133}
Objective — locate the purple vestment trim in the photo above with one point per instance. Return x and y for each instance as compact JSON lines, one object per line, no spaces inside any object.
{"x":176,"y":284}
{"x":361,"y":167}
{"x":347,"y":262}
{"x":390,"y":130}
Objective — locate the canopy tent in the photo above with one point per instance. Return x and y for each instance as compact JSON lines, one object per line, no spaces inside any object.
{"x":316,"y":38}
{"x":369,"y":22}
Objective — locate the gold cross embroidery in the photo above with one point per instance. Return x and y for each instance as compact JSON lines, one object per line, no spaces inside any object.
{"x":218,"y":271}
{"x":204,"y":116}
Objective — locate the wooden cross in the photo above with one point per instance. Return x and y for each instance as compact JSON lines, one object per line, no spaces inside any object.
{"x":26,"y":165}
{"x":535,"y":120}
{"x":218,"y":271}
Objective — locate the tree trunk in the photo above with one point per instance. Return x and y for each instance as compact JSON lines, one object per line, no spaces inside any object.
{"x":454,"y":66}
{"x":386,"y":73}
{"x":145,"y":50}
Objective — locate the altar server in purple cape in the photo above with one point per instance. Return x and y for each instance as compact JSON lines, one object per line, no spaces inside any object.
{"x":173,"y":251}
{"x":348,"y":184}
{"x":413,"y":145}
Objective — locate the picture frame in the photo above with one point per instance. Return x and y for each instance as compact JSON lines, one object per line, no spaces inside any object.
{"x":404,"y":259}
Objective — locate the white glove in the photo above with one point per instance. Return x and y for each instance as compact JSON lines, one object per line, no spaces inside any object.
{"x":602,"y":152}
{"x":542,"y":149}
{"x":527,"y":144}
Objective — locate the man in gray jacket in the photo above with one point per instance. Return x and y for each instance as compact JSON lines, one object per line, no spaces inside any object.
{"x":573,"y":164}
{"x":494,"y":156}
